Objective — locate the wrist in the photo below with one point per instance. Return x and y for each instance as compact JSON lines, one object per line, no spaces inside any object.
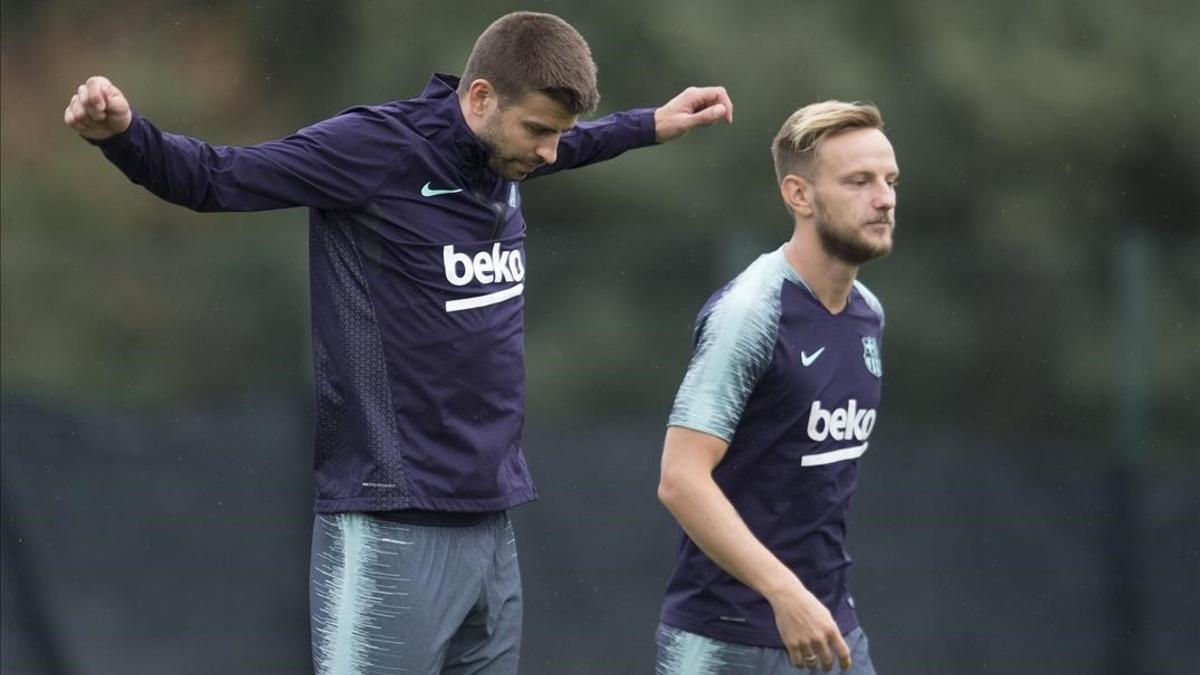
{"x":117,"y":137}
{"x":783,"y":587}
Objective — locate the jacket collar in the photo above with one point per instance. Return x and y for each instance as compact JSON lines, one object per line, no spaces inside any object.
{"x":438,"y":118}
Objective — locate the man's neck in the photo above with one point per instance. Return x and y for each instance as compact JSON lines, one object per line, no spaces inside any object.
{"x":829,"y":278}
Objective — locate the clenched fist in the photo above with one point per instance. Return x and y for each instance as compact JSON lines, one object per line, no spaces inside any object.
{"x":98,"y":110}
{"x":694,"y":107}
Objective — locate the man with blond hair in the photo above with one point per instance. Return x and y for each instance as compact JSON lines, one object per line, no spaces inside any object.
{"x":417,"y":275}
{"x":773,"y":417}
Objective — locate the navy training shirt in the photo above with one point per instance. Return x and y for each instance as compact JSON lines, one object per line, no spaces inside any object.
{"x":795,"y":392}
{"x":417,"y":270}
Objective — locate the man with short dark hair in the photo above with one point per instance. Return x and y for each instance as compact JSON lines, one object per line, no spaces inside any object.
{"x":417,"y":273}
{"x":761,"y":455}
{"x":556,"y":61}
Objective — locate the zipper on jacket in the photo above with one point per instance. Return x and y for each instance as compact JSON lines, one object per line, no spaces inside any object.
{"x":498,"y":209}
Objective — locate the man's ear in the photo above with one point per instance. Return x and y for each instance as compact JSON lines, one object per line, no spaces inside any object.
{"x":797,"y":193}
{"x":481,"y":97}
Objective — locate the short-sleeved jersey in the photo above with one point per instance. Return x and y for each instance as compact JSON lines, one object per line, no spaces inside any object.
{"x":795,"y":392}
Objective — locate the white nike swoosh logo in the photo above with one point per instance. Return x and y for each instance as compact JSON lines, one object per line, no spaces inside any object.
{"x":807,"y":359}
{"x":427,"y":191}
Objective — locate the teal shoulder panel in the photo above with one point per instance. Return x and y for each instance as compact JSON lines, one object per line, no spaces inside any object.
{"x":735,"y":341}
{"x":872,"y":301}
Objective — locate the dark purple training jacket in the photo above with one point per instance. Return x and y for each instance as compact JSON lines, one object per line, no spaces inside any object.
{"x":417,"y":267}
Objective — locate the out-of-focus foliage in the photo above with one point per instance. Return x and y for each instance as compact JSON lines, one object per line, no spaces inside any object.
{"x":1033,"y":138}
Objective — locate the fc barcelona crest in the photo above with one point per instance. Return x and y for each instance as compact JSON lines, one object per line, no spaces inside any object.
{"x":871,"y":356}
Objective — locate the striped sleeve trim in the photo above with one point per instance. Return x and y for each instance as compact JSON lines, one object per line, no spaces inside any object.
{"x":735,"y":343}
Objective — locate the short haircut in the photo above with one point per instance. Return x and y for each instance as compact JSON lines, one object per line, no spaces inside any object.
{"x":523,"y":52}
{"x":796,"y":144}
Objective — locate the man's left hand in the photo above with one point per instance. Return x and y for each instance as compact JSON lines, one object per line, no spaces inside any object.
{"x":694,"y":107}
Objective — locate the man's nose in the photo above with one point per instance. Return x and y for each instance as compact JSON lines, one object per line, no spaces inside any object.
{"x":548,"y":151}
{"x":885,"y":197}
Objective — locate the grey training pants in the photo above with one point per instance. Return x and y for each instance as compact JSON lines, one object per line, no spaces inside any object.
{"x":388,"y":597}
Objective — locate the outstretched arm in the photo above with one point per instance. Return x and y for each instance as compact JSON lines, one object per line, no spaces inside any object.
{"x":335,"y":164}
{"x":605,"y":138}
{"x":689,"y":492}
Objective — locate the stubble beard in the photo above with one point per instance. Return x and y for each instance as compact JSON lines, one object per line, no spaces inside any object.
{"x":847,"y":244}
{"x":490,"y":135}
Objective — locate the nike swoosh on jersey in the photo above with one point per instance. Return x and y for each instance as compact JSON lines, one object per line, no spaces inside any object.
{"x":427,"y":191}
{"x":807,"y":359}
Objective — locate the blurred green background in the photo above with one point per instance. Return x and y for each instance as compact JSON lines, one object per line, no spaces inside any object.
{"x":1042,"y":349}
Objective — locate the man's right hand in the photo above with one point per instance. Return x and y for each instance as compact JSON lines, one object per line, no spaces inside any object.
{"x":808,"y":630}
{"x":98,"y":110}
